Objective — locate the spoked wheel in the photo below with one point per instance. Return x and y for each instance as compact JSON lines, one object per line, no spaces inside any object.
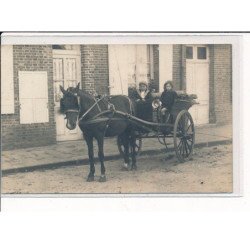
{"x":184,"y":135}
{"x":138,"y":145}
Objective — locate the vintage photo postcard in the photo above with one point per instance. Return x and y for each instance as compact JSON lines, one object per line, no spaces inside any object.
{"x":120,"y":114}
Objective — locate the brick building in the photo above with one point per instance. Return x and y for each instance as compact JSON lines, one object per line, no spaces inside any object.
{"x":31,"y":75}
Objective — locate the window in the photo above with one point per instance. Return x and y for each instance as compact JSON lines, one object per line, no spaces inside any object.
{"x":57,"y":46}
{"x":7,"y":80}
{"x":33,"y":93}
{"x":66,"y":47}
{"x":202,"y":53}
{"x":189,"y":52}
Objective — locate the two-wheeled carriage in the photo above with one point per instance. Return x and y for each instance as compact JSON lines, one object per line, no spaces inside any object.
{"x":177,"y":124}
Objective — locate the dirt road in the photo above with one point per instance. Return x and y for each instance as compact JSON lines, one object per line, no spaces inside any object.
{"x":210,"y":171}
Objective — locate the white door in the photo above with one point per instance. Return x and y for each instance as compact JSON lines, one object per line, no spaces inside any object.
{"x":128,"y":65}
{"x":66,"y":72}
{"x":197,"y":75}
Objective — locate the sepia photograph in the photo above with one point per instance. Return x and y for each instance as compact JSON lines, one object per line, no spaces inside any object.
{"x":118,"y":115}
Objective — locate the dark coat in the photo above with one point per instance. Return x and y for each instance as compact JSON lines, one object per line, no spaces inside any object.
{"x":135,"y":96}
{"x":168,"y":98}
{"x":143,"y":106}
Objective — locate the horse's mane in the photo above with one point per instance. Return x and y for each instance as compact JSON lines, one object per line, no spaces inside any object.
{"x":79,"y":92}
{"x":84,"y":92}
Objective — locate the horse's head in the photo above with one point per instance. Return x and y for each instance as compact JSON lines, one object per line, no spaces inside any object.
{"x":70,"y":106}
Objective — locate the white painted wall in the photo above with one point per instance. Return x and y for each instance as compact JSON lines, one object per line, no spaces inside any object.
{"x":118,"y":69}
{"x":127,"y":67}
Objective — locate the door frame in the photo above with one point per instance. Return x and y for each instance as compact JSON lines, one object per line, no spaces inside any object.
{"x":195,"y":61}
{"x":63,"y":54}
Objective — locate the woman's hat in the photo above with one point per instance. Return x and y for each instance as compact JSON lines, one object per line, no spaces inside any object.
{"x":143,"y":83}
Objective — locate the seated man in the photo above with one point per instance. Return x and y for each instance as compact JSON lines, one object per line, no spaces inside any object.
{"x":167,"y":98}
{"x":142,"y":98}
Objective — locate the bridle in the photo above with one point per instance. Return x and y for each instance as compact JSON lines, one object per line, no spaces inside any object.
{"x":72,"y":110}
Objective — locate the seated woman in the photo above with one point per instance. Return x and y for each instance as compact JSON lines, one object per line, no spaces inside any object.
{"x":142,"y":98}
{"x":168,"y":97}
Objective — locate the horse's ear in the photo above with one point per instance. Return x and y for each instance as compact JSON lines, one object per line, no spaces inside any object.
{"x":62,"y":89}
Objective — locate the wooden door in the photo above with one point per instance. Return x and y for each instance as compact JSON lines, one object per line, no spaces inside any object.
{"x":197,"y":72}
{"x":66,"y":72}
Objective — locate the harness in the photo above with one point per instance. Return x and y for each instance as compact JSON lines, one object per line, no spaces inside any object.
{"x":111,"y":109}
{"x":95,"y":104}
{"x":110,"y":106}
{"x":72,"y":110}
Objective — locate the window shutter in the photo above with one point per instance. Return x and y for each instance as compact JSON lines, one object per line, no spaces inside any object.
{"x":33,"y":91}
{"x":7,"y":80}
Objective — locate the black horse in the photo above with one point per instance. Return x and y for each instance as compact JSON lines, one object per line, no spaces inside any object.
{"x":97,"y":119}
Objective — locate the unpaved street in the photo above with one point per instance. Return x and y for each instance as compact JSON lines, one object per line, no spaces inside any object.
{"x":210,"y":171}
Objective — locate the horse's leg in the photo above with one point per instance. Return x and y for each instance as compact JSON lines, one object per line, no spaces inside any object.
{"x":100,"y":141}
{"x":133,"y":152}
{"x":125,"y":142}
{"x":89,"y":140}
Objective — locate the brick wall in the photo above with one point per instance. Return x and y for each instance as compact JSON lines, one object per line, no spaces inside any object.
{"x":14,"y":134}
{"x":183,"y":68}
{"x":95,"y":75}
{"x":94,"y":67}
{"x":221,"y":83}
{"x":177,"y":67}
{"x":156,"y":67}
{"x":212,"y":117}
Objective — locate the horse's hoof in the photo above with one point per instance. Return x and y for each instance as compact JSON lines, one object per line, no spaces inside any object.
{"x":102,"y":178}
{"x":90,"y":178}
{"x":124,"y":169}
{"x":134,"y":168}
